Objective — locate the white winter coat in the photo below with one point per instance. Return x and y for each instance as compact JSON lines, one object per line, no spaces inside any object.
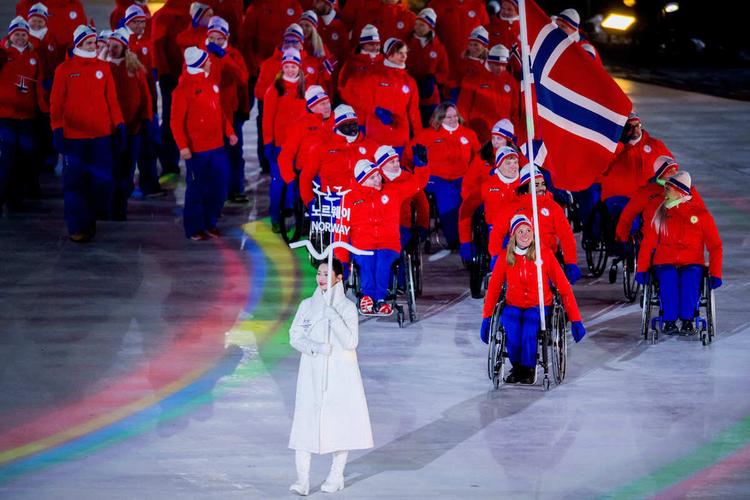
{"x":337,"y":419}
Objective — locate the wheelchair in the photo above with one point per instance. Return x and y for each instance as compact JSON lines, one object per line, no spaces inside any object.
{"x":392,"y":295}
{"x":435,"y":239}
{"x":479,"y":267}
{"x":552,"y":344}
{"x":295,"y":220}
{"x":705,"y":311}
{"x":414,"y":249}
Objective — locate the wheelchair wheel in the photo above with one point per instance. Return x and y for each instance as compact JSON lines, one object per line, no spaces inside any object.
{"x":400,"y":318}
{"x":596,"y":257}
{"x":480,"y":263}
{"x":559,"y":344}
{"x":435,"y":239}
{"x":496,"y":350}
{"x":708,"y":336}
{"x":411,"y":295}
{"x":416,"y":262}
{"x":629,"y":285}
{"x":292,"y":219}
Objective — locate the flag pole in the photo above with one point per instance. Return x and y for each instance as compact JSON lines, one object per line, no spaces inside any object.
{"x":528,"y":105}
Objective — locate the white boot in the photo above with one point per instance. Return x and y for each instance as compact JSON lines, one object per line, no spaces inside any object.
{"x":335,"y":480}
{"x":302,"y":461}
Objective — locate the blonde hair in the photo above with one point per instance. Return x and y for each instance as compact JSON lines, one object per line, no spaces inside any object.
{"x":318,"y":47}
{"x":659,"y":221}
{"x":436,"y":120}
{"x":510,"y":253}
{"x":133,"y":64}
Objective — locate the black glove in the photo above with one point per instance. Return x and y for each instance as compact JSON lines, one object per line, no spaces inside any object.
{"x":426,"y":86}
{"x":420,"y":155}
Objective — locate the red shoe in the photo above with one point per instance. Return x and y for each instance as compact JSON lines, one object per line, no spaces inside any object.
{"x":385,"y":309}
{"x":365,"y":304}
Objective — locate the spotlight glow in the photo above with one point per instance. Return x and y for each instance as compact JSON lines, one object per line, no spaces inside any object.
{"x":618,"y":22}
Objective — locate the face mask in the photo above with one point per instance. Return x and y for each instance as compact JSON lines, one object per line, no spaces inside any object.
{"x":448,"y":128}
{"x":84,"y":53}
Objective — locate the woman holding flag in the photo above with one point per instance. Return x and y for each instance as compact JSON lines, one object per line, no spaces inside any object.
{"x":330,"y":411}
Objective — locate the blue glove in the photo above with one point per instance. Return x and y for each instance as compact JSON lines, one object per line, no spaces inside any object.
{"x":492,"y":262}
{"x":577,"y":330}
{"x":58,"y":141}
{"x":215,"y":49}
{"x":505,"y":241}
{"x":426,"y":86}
{"x":47,"y":84}
{"x":385,"y":116}
{"x":419,"y":152}
{"x":714,"y":282}
{"x":423,"y":233}
{"x":269,"y":151}
{"x":120,"y":138}
{"x":153,"y":130}
{"x":573,"y":272}
{"x":484,"y":332}
{"x":465,"y":251}
{"x":453,"y":95}
{"x":641,"y":278}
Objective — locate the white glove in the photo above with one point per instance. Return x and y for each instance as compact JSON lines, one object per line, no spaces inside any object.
{"x":322,"y":349}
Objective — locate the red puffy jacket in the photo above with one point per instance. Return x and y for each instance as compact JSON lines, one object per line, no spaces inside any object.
{"x":495,"y":194}
{"x":335,"y":36}
{"x":272,"y":66}
{"x":449,"y":153}
{"x":375,"y":214}
{"x":21,"y":94}
{"x":232,"y":11}
{"x":233,"y":86}
{"x":263,"y":29}
{"x":503,"y":31}
{"x":644,"y":202}
{"x":198,"y":122}
{"x":455,"y":20}
{"x":690,"y":230}
{"x":280,"y":112}
{"x":391,"y":20}
{"x":426,"y":60}
{"x":303,"y":136}
{"x":192,"y":37}
{"x":632,"y":167}
{"x":133,"y":95}
{"x":486,"y":98}
{"x":84,"y":100}
{"x":418,"y":202}
{"x":334,"y":162}
{"x":352,"y":77}
{"x":522,"y":290}
{"x":167,"y":23}
{"x":119,"y":12}
{"x":554,"y":227}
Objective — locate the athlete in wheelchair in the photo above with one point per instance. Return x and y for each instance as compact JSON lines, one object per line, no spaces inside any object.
{"x":518,"y":330}
{"x":671,"y":263}
{"x":374,"y":217}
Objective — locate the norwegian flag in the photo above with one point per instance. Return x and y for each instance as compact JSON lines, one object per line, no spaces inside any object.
{"x":580,"y":109}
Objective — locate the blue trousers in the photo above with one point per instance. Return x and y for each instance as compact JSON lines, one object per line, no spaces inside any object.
{"x":87,"y":182}
{"x":521,"y":329}
{"x":276,"y":187}
{"x":236,"y":161}
{"x":169,"y":154}
{"x":679,"y":290}
{"x":123,"y":170}
{"x":148,"y":153}
{"x":587,"y":200}
{"x":206,"y":176}
{"x":448,"y":198}
{"x":16,"y":155}
{"x":375,"y":272}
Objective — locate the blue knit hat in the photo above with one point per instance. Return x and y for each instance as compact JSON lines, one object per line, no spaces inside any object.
{"x":525,"y":175}
{"x":132,"y":13}
{"x":517,"y":221}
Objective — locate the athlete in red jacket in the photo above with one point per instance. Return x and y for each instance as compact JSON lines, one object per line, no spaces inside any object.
{"x":374,"y":219}
{"x":554,"y":229}
{"x":471,"y":62}
{"x":520,"y":316}
{"x":569,"y":21}
{"x":195,"y":34}
{"x":84,"y":114}
{"x":683,"y":230}
{"x":134,"y":98}
{"x":451,"y":148}
{"x":333,"y":161}
{"x":64,"y":17}
{"x":263,"y":26}
{"x":199,"y":126}
{"x":20,"y":102}
{"x":504,"y":27}
{"x":366,"y":59}
{"x":120,"y":12}
{"x":392,"y":18}
{"x":390,"y":99}
{"x":490,"y":94}
{"x":333,"y":31}
{"x":167,"y":23}
{"x":456,"y":20}
{"x":428,"y":63}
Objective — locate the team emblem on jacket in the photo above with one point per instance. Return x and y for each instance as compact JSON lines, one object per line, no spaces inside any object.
{"x":362,"y":150}
{"x":290,"y":11}
{"x":647,"y":148}
{"x":216,"y":88}
{"x":334,"y":36}
{"x":99,"y":75}
{"x":144,"y":50}
{"x":310,"y":70}
{"x":545,"y":212}
{"x":694,"y":219}
{"x":433,"y":54}
{"x":472,"y":14}
{"x":32,"y":61}
{"x":51,"y":48}
{"x":384,"y":199}
{"x":400,"y":25}
{"x":405,"y":89}
{"x":464,"y":141}
{"x":506,"y":88}
{"x":72,"y":14}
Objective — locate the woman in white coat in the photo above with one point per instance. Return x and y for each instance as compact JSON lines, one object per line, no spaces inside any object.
{"x":330,"y":414}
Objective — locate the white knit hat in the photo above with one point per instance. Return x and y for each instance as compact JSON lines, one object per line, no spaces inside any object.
{"x":389,"y":45}
{"x":681,"y":181}
{"x":343,"y":114}
{"x":364,"y":169}
{"x":18,"y":24}
{"x":315,"y":94}
{"x":369,"y":34}
{"x":38,"y":10}
{"x":570,"y":17}
{"x":195,"y":58}
{"x":197,"y":10}
{"x":384,"y":154}
{"x":294,"y":33}
{"x":81,"y":33}
{"x":121,"y":35}
{"x":504,"y":128}
{"x":429,"y":16}
{"x":310,"y":16}
{"x":291,"y":56}
{"x":525,"y":175}
{"x":480,"y":34}
{"x":218,"y":25}
{"x":498,"y":54}
{"x":132,"y":13}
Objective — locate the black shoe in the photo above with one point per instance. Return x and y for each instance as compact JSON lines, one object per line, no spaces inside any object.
{"x":513,"y":376}
{"x":687,"y":327}
{"x":670,"y":328}
{"x":529,"y":376}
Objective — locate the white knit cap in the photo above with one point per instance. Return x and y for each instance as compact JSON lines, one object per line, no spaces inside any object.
{"x":429,"y":16}
{"x":369,"y":34}
{"x":498,"y":54}
{"x":342,"y":114}
{"x":571,"y":17}
{"x":195,"y":58}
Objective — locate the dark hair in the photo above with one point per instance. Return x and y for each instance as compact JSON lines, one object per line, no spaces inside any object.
{"x":487,"y":153}
{"x":395,"y":47}
{"x":338,"y":267}
{"x":278,"y":84}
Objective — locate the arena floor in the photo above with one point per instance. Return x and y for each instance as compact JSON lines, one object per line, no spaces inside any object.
{"x":144,"y":365}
